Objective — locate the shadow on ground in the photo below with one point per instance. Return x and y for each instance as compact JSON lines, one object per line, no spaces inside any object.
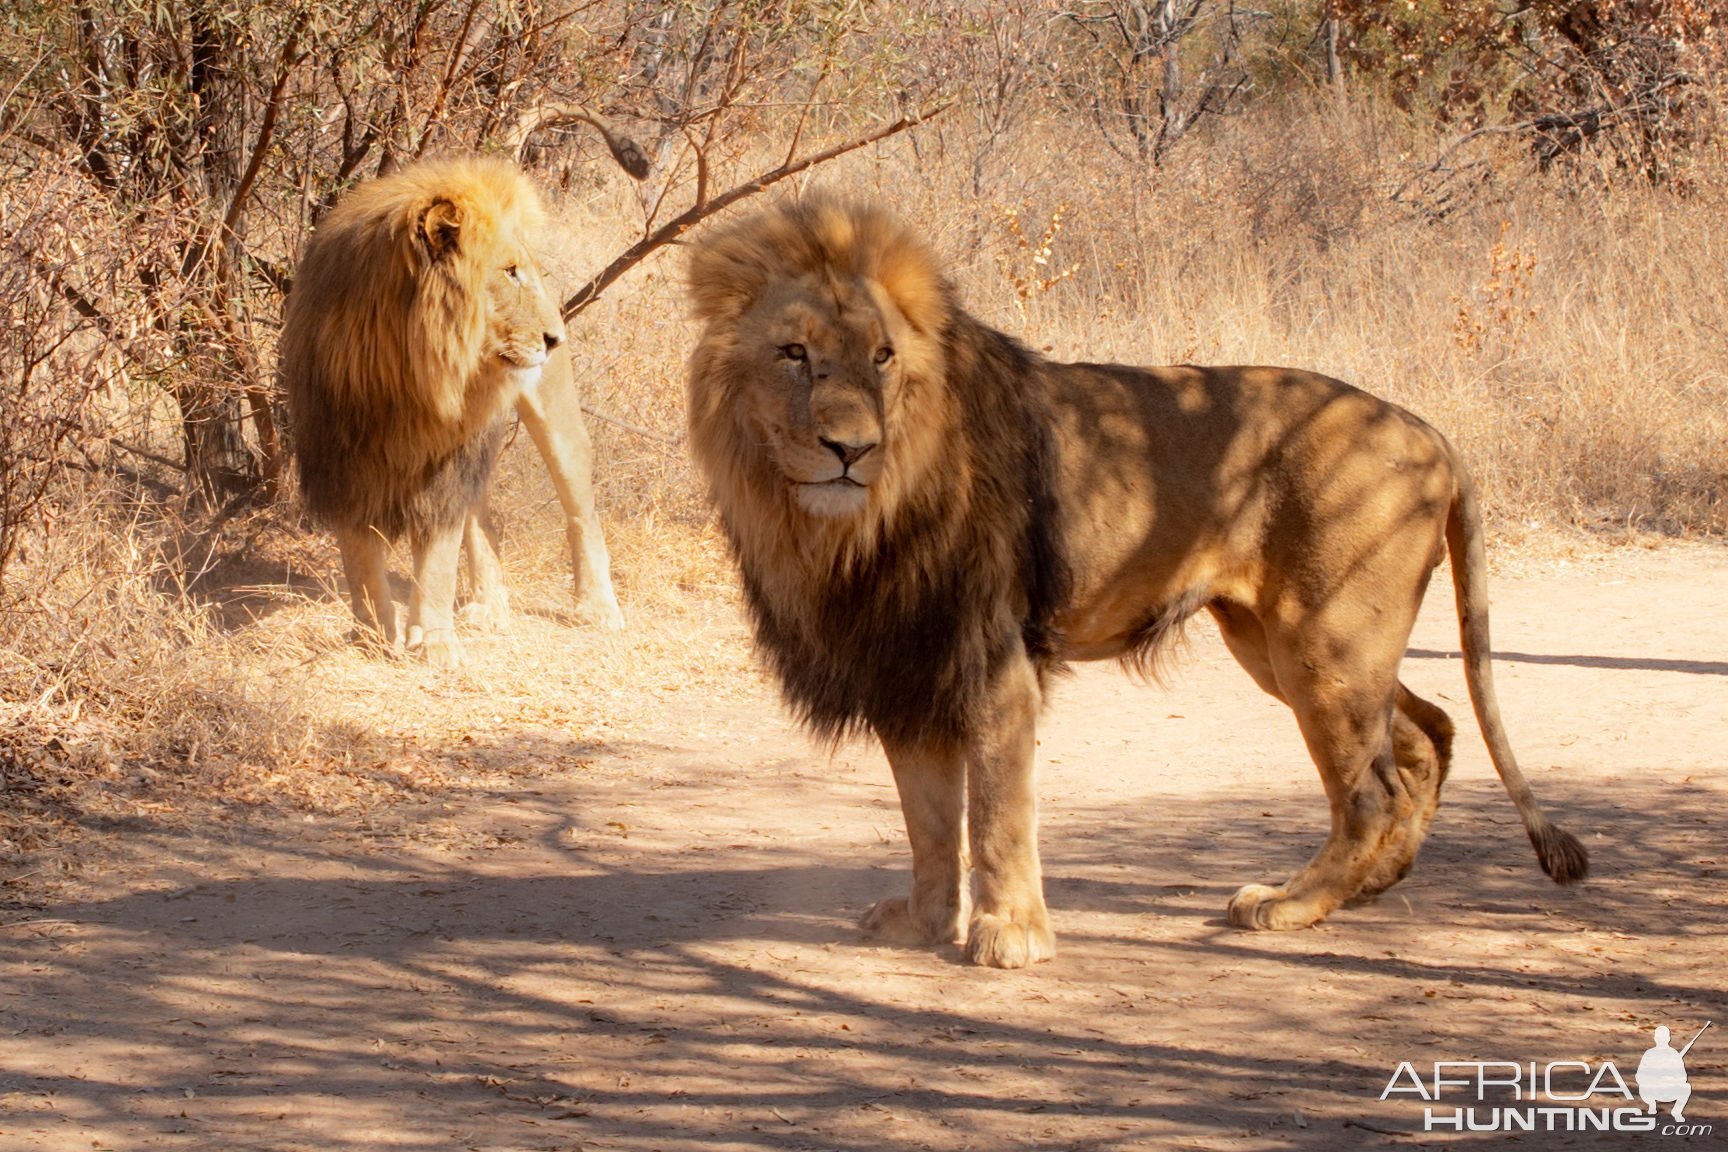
{"x":653,"y":965}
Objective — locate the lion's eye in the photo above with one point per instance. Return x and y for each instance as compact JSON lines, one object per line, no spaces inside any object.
{"x":884,"y":354}
{"x":514,"y":272}
{"x":795,"y":352}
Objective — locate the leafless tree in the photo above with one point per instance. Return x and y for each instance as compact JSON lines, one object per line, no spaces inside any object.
{"x":1128,"y":75}
{"x":230,"y":126}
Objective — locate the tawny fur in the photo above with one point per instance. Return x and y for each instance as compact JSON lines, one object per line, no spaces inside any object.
{"x":417,"y":320}
{"x":390,"y":342}
{"x":929,"y":520}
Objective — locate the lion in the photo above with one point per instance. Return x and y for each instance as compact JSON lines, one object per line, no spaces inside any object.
{"x":418,"y":319}
{"x":930,"y":521}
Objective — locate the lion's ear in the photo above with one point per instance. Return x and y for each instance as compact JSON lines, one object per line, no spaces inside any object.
{"x":441,"y":228}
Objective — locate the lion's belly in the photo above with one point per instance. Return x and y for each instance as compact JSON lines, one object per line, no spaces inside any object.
{"x":1127,"y":616}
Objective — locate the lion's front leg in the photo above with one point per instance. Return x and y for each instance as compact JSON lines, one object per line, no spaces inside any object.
{"x":366,"y":563}
{"x":1010,"y":926}
{"x":552,"y":413}
{"x":489,"y":609}
{"x":932,"y":786}
{"x":432,"y":607}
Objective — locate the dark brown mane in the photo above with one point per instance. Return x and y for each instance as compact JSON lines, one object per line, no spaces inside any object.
{"x":906,"y":638}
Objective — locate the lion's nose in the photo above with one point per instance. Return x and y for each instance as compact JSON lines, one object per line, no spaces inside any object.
{"x":849,"y":453}
{"x":553,"y":340}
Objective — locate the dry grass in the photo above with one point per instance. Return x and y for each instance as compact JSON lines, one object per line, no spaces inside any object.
{"x":1570,"y":337}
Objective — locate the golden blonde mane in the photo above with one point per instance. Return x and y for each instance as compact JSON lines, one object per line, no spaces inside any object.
{"x":821,"y":240}
{"x":817,"y":235}
{"x":386,"y":330}
{"x":375,"y":252}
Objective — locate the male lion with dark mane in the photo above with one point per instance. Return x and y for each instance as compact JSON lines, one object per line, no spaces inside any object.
{"x":931,"y":520}
{"x":417,"y":320}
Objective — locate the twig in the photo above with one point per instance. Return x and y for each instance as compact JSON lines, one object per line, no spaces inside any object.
{"x":1584,"y":122}
{"x":636,"y":428}
{"x":696,"y":213}
{"x":1372,"y":1128}
{"x":291,"y":57}
{"x":150,"y":456}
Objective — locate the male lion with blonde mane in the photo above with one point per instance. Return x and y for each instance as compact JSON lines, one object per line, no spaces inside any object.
{"x":417,"y":320}
{"x":931,"y":520}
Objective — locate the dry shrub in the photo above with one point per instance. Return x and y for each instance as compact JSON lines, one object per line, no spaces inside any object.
{"x":53,"y":357}
{"x":1568,"y":336}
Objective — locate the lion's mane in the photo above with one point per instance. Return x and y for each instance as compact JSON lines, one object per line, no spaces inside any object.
{"x":382,"y":345}
{"x":899,"y":623}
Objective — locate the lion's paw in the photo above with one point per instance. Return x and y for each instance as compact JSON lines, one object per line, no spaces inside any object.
{"x":892,"y":921}
{"x":600,"y":612}
{"x":485,"y":615}
{"x":1262,"y":906}
{"x":998,"y":942}
{"x":439,"y":647}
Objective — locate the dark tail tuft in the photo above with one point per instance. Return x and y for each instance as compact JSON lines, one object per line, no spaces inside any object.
{"x":1562,"y":856}
{"x":628,"y":153}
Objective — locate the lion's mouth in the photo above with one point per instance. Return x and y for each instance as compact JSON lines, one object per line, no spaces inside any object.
{"x":533,"y":359}
{"x":839,"y":498}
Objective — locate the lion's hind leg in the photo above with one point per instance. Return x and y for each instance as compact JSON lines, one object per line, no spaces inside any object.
{"x":366,"y":563}
{"x":1422,"y":749}
{"x":1347,"y":722}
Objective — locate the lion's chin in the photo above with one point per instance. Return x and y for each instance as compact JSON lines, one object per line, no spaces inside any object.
{"x":520,"y":377}
{"x":832,"y":500}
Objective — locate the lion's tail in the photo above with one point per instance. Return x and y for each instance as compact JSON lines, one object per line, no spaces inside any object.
{"x":1562,"y":856}
{"x":626,"y":151}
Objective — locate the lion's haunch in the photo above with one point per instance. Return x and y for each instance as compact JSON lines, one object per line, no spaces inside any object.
{"x":1025,"y":513}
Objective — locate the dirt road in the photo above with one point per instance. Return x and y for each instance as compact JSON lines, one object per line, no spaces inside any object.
{"x":650,"y":946}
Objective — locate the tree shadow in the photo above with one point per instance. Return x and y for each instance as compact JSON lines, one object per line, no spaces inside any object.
{"x":694,"y":981}
{"x":1617,"y":663}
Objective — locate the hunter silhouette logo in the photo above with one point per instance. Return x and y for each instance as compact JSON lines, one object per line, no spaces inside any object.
{"x":1556,"y":1096}
{"x":1662,"y":1074}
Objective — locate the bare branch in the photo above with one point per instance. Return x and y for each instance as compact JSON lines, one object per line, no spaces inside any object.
{"x":676,"y":227}
{"x":637,"y":429}
{"x":291,"y":57}
{"x":464,"y":46}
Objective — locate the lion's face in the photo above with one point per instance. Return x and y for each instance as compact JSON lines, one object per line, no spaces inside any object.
{"x":475,"y":259}
{"x":523,"y":324}
{"x":823,"y":356}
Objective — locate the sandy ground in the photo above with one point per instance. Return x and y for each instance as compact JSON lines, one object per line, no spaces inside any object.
{"x":650,"y":944}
